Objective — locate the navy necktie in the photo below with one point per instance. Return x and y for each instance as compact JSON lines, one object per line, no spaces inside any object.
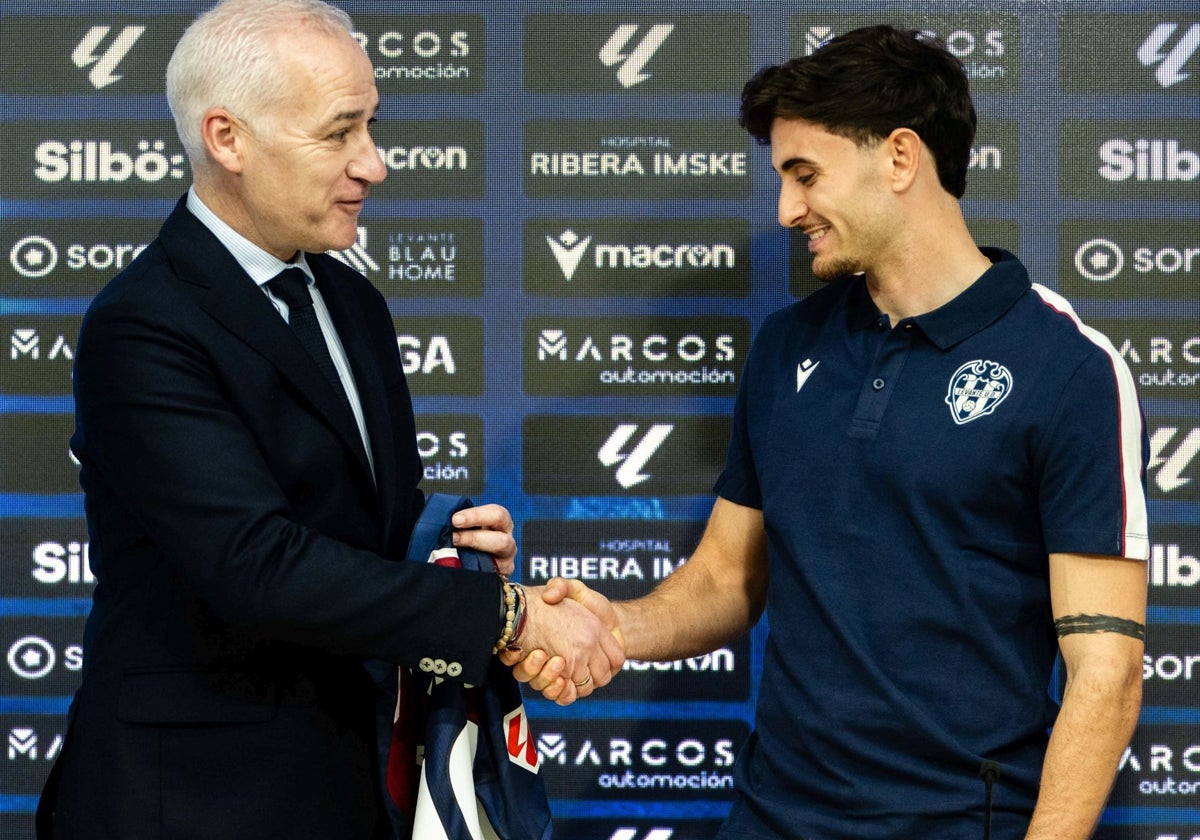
{"x":291,"y":286}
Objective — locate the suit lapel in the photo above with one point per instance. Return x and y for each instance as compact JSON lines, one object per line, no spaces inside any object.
{"x":351,"y":324}
{"x":235,"y":301}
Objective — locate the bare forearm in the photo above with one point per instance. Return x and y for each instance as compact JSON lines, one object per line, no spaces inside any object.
{"x":687,"y":615}
{"x":714,"y":597}
{"x":1094,"y":726}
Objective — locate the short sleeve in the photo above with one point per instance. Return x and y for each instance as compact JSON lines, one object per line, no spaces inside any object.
{"x":1092,"y":479}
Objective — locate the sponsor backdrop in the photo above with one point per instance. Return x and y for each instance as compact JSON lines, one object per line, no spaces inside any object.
{"x":578,"y":244}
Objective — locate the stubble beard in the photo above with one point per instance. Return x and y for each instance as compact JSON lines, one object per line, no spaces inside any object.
{"x":834,"y":268}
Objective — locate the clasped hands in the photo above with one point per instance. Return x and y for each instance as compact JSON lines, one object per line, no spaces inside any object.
{"x":571,"y":644}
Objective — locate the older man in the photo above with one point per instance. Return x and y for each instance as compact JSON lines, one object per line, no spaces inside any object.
{"x":250,"y":470}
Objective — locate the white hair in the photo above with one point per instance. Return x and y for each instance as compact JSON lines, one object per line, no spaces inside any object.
{"x":225,"y":59}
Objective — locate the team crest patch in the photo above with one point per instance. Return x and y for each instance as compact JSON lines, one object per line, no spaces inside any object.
{"x":977,"y":389}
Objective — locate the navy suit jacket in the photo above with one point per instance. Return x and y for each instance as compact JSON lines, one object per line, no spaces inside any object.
{"x":245,"y":559}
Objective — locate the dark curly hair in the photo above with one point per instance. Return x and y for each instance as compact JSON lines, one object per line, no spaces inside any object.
{"x":865,"y":84}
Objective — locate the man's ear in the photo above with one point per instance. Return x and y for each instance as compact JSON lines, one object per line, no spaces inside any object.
{"x":905,"y":153}
{"x":224,"y":137}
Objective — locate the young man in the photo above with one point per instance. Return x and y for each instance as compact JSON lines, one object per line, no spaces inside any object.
{"x":936,"y":471}
{"x":250,"y":486}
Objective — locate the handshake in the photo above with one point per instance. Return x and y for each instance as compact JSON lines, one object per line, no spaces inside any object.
{"x":571,"y":644}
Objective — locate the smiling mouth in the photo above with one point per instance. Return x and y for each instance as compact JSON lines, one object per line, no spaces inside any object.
{"x":816,"y":234}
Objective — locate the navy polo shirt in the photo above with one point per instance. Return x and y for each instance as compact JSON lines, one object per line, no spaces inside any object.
{"x":913,"y":480}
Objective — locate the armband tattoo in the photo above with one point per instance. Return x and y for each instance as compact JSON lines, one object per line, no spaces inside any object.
{"x":1069,"y":624}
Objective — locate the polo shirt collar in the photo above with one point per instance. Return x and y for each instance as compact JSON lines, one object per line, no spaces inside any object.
{"x":981,"y":303}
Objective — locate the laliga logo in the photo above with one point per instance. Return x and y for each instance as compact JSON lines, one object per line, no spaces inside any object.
{"x":1169,"y":64}
{"x":102,"y":74}
{"x":632,"y":63}
{"x":977,"y":389}
{"x":630,"y":474}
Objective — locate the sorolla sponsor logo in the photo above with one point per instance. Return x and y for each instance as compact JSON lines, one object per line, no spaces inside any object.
{"x":624,"y":559}
{"x":114,"y":159}
{"x":53,"y":257}
{"x":637,"y":257}
{"x":1173,"y":469}
{"x":636,"y":159}
{"x":48,"y":558}
{"x":1129,"y":260}
{"x":1161,"y":767}
{"x":627,"y":828}
{"x":986,"y":44}
{"x":434,"y":257}
{"x":636,"y":53}
{"x":39,"y":353}
{"x":1171,"y":663}
{"x":430,"y":159}
{"x":1162,"y":353}
{"x":627,"y":758}
{"x":42,"y":655}
{"x":575,"y":455}
{"x":1130,"y":159}
{"x":108,"y":54}
{"x":424,"y":53}
{"x":441,"y":355}
{"x":451,"y":450}
{"x":35,"y":453}
{"x":1129,"y":53}
{"x":1173,"y":572}
{"x":641,"y":355}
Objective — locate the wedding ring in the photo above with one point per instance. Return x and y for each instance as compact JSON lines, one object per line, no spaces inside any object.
{"x":583,"y":682}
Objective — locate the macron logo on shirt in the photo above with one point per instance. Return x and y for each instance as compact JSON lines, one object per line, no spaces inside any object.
{"x":803,"y":371}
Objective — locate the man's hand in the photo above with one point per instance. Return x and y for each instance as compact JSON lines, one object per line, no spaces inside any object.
{"x":487,"y":528}
{"x":556,"y":676}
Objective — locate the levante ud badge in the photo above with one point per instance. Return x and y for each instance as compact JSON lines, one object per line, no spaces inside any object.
{"x":977,"y":389}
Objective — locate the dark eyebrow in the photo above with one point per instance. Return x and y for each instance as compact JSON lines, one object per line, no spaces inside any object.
{"x":792,"y":163}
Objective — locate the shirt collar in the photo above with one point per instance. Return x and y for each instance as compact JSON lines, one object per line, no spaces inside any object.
{"x":260,"y":265}
{"x":981,"y":303}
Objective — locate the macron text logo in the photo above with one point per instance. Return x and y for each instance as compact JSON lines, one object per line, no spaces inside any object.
{"x":85,"y":53}
{"x":1170,"y":64}
{"x":630,"y":472}
{"x":612,"y":53}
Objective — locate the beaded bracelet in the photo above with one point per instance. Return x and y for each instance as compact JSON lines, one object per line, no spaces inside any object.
{"x":514,"y":618}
